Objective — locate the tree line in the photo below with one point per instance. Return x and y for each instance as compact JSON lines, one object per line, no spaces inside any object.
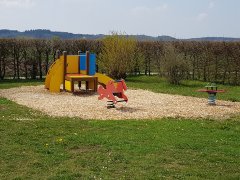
{"x":195,"y":60}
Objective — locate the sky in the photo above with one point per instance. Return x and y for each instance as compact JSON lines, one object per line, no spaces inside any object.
{"x":176,"y":18}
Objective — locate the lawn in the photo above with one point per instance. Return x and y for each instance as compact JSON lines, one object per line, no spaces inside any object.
{"x":187,"y":88}
{"x":35,"y":146}
{"x":10,"y":83}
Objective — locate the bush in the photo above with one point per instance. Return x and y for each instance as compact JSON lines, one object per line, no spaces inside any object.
{"x":117,"y":55}
{"x":175,"y":67}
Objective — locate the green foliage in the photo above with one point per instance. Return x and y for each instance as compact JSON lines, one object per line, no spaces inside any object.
{"x":175,"y":67}
{"x":117,"y":56}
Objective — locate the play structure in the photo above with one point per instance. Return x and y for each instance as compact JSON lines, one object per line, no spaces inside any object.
{"x":212,"y":91}
{"x":70,"y":70}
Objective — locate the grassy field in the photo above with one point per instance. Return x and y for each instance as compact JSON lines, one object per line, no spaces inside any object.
{"x":187,"y":88}
{"x":10,"y":83}
{"x":36,"y":146}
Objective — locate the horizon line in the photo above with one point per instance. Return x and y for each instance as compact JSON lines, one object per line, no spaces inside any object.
{"x":224,"y":37}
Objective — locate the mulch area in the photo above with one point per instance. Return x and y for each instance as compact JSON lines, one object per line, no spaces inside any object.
{"x":142,"y":105}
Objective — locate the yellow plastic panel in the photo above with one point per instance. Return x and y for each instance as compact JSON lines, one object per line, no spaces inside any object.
{"x":68,"y":85}
{"x":52,"y":70}
{"x":57,"y":77}
{"x":77,"y":75}
{"x":103,"y":79}
{"x":72,"y":64}
{"x":83,"y":72}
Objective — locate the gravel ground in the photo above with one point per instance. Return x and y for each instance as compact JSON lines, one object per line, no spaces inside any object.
{"x":142,"y":105}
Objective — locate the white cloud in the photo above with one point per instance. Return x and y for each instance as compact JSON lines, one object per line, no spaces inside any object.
{"x":162,"y":7}
{"x":144,"y":9}
{"x":17,"y":3}
{"x":202,"y":16}
{"x":211,"y":5}
{"x":141,"y":9}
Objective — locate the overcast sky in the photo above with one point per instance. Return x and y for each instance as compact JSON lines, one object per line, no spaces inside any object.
{"x":177,"y":18}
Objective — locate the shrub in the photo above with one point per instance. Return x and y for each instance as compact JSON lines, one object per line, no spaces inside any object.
{"x":117,"y":55}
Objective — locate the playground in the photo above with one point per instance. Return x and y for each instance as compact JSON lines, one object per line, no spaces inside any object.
{"x":142,"y":105}
{"x":73,"y":88}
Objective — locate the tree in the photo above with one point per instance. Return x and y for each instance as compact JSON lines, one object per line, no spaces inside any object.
{"x":47,"y":50}
{"x":117,"y":55}
{"x":158,"y":53}
{"x":16,"y":54}
{"x":4,"y":52}
{"x":174,"y":65}
{"x":39,"y":47}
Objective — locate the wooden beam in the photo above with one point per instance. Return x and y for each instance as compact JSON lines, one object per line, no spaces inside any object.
{"x":87,"y":64}
{"x":64,"y":68}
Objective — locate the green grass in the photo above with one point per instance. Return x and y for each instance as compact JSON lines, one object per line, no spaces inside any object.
{"x":11,"y":83}
{"x":36,"y":146}
{"x":187,"y":88}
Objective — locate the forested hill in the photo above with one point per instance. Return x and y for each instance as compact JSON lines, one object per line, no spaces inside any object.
{"x":47,"y":34}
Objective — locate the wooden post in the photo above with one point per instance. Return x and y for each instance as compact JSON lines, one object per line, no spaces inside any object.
{"x":95,"y":84}
{"x":79,"y":62}
{"x":64,"y":68}
{"x":87,"y":61}
{"x":72,"y":85}
{"x":87,"y":64}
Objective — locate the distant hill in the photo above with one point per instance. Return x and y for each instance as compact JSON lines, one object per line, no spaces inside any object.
{"x":151,"y":38}
{"x":215,"y":39}
{"x":47,"y":34}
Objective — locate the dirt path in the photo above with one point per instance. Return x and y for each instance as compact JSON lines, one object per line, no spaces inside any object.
{"x":142,"y":105}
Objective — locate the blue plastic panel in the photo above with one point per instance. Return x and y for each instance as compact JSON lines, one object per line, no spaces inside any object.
{"x":92,"y":64}
{"x":83,"y":64}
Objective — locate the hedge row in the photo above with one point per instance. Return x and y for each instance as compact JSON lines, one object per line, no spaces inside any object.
{"x":207,"y":61}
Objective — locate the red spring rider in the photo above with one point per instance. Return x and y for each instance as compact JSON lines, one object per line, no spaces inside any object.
{"x":111,"y":92}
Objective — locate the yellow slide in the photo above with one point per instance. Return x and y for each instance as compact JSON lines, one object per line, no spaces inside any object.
{"x":103,"y":79}
{"x":54,"y":77}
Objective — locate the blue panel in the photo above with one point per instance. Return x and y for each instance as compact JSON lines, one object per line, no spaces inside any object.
{"x":92,"y":64}
{"x":83,"y":64}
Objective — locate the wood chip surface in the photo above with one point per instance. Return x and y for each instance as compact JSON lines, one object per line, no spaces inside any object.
{"x":142,"y":105}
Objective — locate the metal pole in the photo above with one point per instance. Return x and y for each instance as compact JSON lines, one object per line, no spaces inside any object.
{"x":212,"y":98}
